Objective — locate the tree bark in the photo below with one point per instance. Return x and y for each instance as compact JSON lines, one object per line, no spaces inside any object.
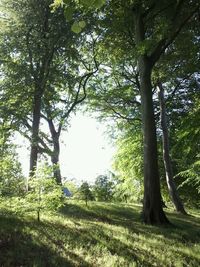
{"x":35,"y":131}
{"x":55,"y":161}
{"x":55,"y":135}
{"x":166,"y":155}
{"x":152,"y":205}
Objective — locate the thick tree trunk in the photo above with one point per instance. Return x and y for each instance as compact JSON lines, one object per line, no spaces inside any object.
{"x":35,"y":132}
{"x":152,"y":205}
{"x":166,"y":155}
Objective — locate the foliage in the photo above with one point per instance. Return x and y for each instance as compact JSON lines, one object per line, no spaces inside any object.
{"x":12,"y":182}
{"x":85,"y":193}
{"x":187,"y":134}
{"x":71,"y":7}
{"x":192,"y":177}
{"x":185,"y":151}
{"x":103,"y":188}
{"x":128,"y":165}
{"x":114,"y":93}
{"x":44,"y":193}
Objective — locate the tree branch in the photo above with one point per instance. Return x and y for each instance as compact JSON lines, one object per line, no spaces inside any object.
{"x":165,"y":42}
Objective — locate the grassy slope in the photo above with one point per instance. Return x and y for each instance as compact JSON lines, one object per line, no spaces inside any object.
{"x":100,"y":235}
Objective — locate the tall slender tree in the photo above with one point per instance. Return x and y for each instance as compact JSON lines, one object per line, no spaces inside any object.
{"x":166,"y":155}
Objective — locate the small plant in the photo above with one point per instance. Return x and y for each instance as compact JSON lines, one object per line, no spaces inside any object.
{"x":44,"y":193}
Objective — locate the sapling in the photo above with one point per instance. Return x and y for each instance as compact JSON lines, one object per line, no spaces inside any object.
{"x":44,"y":193}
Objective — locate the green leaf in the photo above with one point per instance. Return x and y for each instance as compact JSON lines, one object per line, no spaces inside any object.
{"x":76,"y":27}
{"x":56,"y":4}
{"x":82,"y":24}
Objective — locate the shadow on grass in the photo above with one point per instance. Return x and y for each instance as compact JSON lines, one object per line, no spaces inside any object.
{"x":183,"y":228}
{"x":93,"y":239}
{"x":145,"y":245}
{"x":20,"y":245}
{"x":29,"y":243}
{"x":111,"y":214}
{"x":82,"y":236}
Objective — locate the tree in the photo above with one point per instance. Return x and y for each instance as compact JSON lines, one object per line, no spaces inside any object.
{"x":85,"y":193}
{"x":176,"y":74}
{"x":35,"y":41}
{"x":103,"y":188}
{"x":166,"y":155}
{"x":151,"y":42}
{"x":56,"y":67}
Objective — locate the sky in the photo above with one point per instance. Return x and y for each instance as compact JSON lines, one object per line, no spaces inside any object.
{"x":85,"y":150}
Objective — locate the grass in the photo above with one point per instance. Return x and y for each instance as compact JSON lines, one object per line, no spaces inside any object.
{"x":98,"y":235}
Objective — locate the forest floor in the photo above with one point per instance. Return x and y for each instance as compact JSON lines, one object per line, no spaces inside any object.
{"x":101,"y":234}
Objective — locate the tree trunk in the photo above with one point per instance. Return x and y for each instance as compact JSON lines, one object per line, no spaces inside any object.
{"x":55,"y":135}
{"x":35,"y":132}
{"x":55,"y":161}
{"x":40,"y":71}
{"x":166,"y":156}
{"x":152,"y":205}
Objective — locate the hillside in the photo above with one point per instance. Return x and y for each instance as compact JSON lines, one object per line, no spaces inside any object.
{"x":100,"y":235}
